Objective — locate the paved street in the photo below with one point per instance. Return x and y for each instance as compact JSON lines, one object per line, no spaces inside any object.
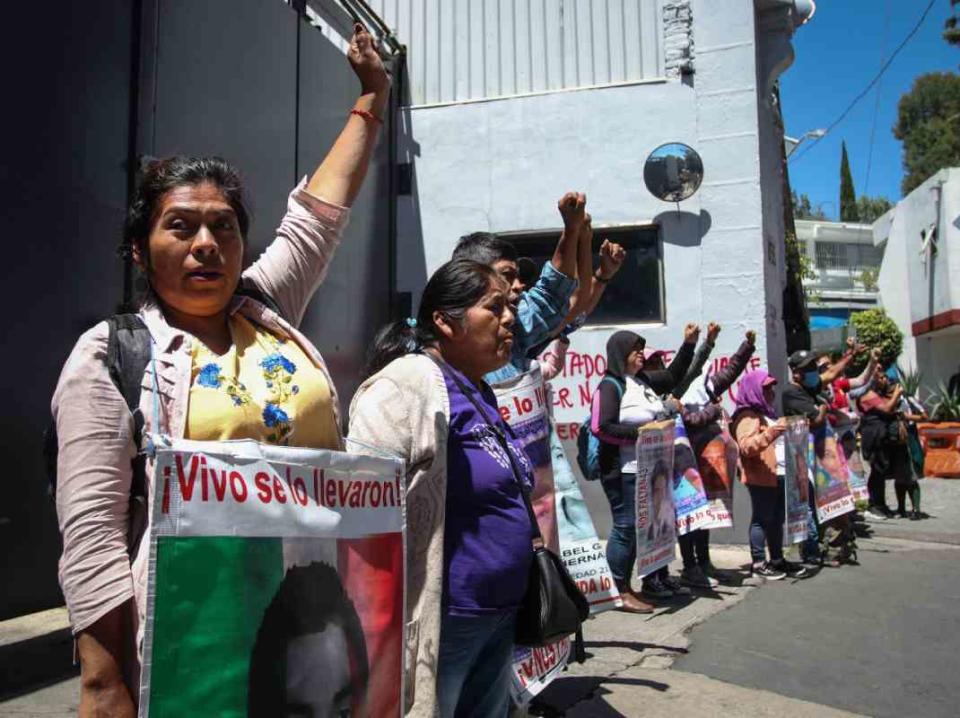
{"x":878,"y":639}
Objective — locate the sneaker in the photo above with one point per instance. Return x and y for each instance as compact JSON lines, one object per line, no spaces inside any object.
{"x":696,"y":578}
{"x":874,"y":513}
{"x":902,"y":514}
{"x":674,"y":585}
{"x":653,"y":588}
{"x":793,"y":570}
{"x":766,"y":571}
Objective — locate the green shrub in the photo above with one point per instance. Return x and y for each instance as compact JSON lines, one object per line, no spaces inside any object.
{"x":877,"y":330}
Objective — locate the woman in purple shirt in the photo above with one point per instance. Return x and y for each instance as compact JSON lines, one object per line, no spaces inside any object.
{"x":463,"y":330}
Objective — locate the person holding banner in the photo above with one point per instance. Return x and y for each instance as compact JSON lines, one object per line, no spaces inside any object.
{"x":758,"y":432}
{"x":628,"y":397}
{"x":468,"y":529}
{"x":226,"y":365}
{"x":702,"y":415}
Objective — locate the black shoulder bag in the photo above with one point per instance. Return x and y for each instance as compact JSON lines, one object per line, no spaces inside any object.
{"x":552,"y":606}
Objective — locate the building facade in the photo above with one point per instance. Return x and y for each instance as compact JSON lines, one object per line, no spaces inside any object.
{"x":920,"y":277}
{"x":847,"y":264}
{"x":512,"y":104}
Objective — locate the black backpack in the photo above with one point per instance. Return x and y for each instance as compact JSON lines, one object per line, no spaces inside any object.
{"x":128,"y":353}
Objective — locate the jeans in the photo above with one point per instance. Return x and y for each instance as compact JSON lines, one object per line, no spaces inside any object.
{"x":474,"y":665}
{"x":766,"y":524}
{"x":622,"y":544}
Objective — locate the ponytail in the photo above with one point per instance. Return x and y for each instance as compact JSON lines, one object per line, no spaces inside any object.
{"x":452,"y":290}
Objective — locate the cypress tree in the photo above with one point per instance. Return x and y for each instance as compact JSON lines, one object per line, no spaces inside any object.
{"x":848,"y":197}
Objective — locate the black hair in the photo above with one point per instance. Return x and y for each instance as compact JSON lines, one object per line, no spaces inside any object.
{"x":453,"y":289}
{"x":162,"y":175}
{"x":485,"y":248}
{"x":309,"y":599}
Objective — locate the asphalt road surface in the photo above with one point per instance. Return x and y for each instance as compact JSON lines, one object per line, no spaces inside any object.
{"x":881,"y":638}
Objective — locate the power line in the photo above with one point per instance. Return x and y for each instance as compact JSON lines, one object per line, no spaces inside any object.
{"x":870,"y":85}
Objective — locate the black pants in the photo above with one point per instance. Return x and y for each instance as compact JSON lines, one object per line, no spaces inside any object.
{"x":695,"y":548}
{"x":877,"y":489}
{"x":766,"y":523}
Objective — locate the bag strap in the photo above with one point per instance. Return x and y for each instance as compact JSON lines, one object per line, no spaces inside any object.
{"x":500,"y":431}
{"x":128,"y":353}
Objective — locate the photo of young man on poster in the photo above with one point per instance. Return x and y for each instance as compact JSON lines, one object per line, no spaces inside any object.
{"x":310,"y":656}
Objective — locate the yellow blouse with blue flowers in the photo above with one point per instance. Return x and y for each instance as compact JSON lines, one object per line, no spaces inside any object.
{"x":263,"y":388}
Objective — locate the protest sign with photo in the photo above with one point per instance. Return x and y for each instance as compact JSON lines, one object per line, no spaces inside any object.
{"x":689,"y":494}
{"x":718,"y":469}
{"x":656,"y":518}
{"x":524,"y":407}
{"x":830,"y":476}
{"x":583,"y":553}
{"x":535,"y":668}
{"x":856,"y":471}
{"x":269,"y":567}
{"x":796,"y":443}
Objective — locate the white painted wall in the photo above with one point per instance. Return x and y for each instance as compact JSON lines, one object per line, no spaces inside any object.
{"x":915,"y":285}
{"x":501,"y":166}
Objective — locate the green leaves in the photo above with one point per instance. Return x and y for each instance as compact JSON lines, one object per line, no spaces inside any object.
{"x":928,"y":124}
{"x":877,"y":330}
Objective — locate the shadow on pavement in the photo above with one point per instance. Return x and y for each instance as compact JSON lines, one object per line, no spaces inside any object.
{"x":566,"y":692}
{"x":38,"y":662}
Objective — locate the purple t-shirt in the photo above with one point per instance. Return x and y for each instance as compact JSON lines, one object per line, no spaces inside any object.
{"x":486,"y":544}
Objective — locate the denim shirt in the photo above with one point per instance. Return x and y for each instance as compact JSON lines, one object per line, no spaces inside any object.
{"x":540,"y":312}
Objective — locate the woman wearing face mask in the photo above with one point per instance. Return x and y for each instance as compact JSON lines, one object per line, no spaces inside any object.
{"x":468,"y":529}
{"x":627,"y":398}
{"x":883,"y":446}
{"x":759,"y":434}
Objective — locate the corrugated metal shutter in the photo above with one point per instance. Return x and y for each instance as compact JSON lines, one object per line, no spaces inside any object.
{"x":475,"y":49}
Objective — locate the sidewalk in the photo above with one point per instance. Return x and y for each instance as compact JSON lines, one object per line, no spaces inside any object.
{"x":626,"y":672}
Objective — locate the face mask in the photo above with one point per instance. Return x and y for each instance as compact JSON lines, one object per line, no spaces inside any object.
{"x":811,"y":379}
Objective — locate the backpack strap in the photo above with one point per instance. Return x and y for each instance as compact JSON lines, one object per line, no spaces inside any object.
{"x":128,"y":353}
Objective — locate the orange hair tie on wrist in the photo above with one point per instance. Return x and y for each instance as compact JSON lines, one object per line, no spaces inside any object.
{"x":367,"y":116}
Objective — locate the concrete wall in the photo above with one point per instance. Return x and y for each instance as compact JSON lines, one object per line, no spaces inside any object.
{"x":920,"y":288}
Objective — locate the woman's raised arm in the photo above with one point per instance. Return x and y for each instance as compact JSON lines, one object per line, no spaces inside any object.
{"x":340,"y":175}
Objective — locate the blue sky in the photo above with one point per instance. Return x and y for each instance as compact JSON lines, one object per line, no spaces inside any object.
{"x":837,"y":53}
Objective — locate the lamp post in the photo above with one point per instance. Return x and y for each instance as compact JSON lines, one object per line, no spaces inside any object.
{"x":792,"y":143}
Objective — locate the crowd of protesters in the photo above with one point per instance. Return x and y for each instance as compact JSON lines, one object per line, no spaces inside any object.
{"x":483,"y":317}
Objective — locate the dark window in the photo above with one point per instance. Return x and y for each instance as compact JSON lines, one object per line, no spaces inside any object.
{"x":635,"y":294}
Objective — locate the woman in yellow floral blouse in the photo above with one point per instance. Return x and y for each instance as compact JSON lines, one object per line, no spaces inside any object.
{"x":226,"y":367}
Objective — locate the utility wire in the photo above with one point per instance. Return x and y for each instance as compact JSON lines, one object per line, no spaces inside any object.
{"x":876,"y":104}
{"x":866,"y":89}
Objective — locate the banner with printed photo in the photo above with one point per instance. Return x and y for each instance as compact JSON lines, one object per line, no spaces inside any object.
{"x":583,"y":553}
{"x":796,"y":442}
{"x":718,"y":469}
{"x":523,"y":405}
{"x":830,"y":476}
{"x":271,"y":567}
{"x":689,"y":494}
{"x":656,"y":517}
{"x":535,"y":668}
{"x":856,"y":472}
